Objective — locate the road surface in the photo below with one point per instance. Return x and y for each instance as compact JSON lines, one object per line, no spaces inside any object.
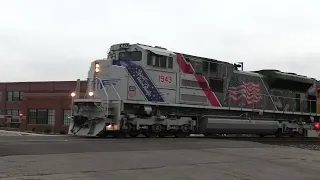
{"x":57,"y":158}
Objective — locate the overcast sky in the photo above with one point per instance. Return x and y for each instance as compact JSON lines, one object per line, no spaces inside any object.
{"x":57,"y":39}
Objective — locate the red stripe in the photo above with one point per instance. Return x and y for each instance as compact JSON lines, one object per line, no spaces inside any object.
{"x":187,"y":68}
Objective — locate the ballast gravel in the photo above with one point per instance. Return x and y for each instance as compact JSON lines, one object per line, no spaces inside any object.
{"x":314,"y":147}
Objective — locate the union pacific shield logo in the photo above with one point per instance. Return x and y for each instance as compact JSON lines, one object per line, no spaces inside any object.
{"x":132,"y":91}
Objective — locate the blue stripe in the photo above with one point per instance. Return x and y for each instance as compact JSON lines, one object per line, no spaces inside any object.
{"x":141,"y":79}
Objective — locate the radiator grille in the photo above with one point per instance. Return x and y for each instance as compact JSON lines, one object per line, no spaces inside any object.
{"x":193,"y":98}
{"x":191,"y":83}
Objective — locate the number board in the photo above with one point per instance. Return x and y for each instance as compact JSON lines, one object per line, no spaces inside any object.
{"x":163,"y":79}
{"x":167,"y":78}
{"x":125,"y":45}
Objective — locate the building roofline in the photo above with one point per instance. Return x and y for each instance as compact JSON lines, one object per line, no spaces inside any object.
{"x":13,"y":82}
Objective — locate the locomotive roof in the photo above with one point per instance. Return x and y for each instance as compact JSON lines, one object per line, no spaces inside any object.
{"x":157,"y":50}
{"x":163,"y":51}
{"x":283,"y":75}
{"x":206,"y":59}
{"x":276,"y":74}
{"x":250,"y":73}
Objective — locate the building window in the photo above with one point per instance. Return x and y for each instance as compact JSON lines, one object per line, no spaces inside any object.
{"x":42,"y":116}
{"x":66,"y":114}
{"x":0,"y":96}
{"x":13,"y":112}
{"x":9,"y":96}
{"x":51,"y":116}
{"x":14,"y":95}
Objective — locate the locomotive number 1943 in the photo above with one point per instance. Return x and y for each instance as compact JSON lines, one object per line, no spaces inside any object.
{"x":165,"y":78}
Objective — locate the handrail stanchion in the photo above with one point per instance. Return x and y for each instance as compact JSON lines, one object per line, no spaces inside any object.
{"x":106,"y":93}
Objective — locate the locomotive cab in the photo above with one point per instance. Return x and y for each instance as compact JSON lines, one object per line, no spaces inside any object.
{"x":100,"y":108}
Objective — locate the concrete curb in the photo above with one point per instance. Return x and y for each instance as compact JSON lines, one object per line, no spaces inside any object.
{"x":27,"y":134}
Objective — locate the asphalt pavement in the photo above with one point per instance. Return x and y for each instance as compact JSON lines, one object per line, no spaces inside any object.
{"x":63,"y":158}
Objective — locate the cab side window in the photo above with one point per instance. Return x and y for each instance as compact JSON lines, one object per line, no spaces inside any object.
{"x":198,"y":67}
{"x":155,"y":60}
{"x":130,"y":56}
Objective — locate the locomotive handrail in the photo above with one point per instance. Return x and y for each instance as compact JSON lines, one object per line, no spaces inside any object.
{"x":268,"y":93}
{"x":106,"y":93}
{"x":119,"y":98}
{"x":303,"y":102}
{"x":280,"y":96}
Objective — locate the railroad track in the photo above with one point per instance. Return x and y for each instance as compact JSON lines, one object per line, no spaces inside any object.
{"x":298,"y":142}
{"x":274,"y":140}
{"x":243,"y":138}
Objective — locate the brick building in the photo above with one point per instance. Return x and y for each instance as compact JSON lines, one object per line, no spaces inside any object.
{"x":318,"y":97}
{"x":46,"y":105}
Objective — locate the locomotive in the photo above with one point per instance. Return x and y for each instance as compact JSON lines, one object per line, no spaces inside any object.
{"x":141,"y":89}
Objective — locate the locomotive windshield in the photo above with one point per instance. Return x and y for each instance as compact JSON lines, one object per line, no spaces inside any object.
{"x":130,"y":56}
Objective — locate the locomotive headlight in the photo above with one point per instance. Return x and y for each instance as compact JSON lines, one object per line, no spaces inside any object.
{"x":97,"y":67}
{"x":90,"y":93}
{"x":73,"y":94}
{"x":112,"y":127}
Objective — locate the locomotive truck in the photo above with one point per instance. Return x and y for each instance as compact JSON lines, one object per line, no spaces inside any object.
{"x":141,"y":89}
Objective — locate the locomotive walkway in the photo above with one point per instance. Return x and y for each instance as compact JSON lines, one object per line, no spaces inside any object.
{"x":50,"y":158}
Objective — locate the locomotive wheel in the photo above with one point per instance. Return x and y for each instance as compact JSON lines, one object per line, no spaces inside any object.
{"x":156,"y":128}
{"x":153,"y":131}
{"x":185,"y":128}
{"x":183,"y":132}
{"x":132,"y":132}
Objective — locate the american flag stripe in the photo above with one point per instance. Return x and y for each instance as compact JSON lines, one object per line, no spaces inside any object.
{"x":240,"y":90}
{"x":244,"y":98}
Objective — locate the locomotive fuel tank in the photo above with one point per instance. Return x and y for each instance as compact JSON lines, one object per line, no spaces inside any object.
{"x":208,"y":125}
